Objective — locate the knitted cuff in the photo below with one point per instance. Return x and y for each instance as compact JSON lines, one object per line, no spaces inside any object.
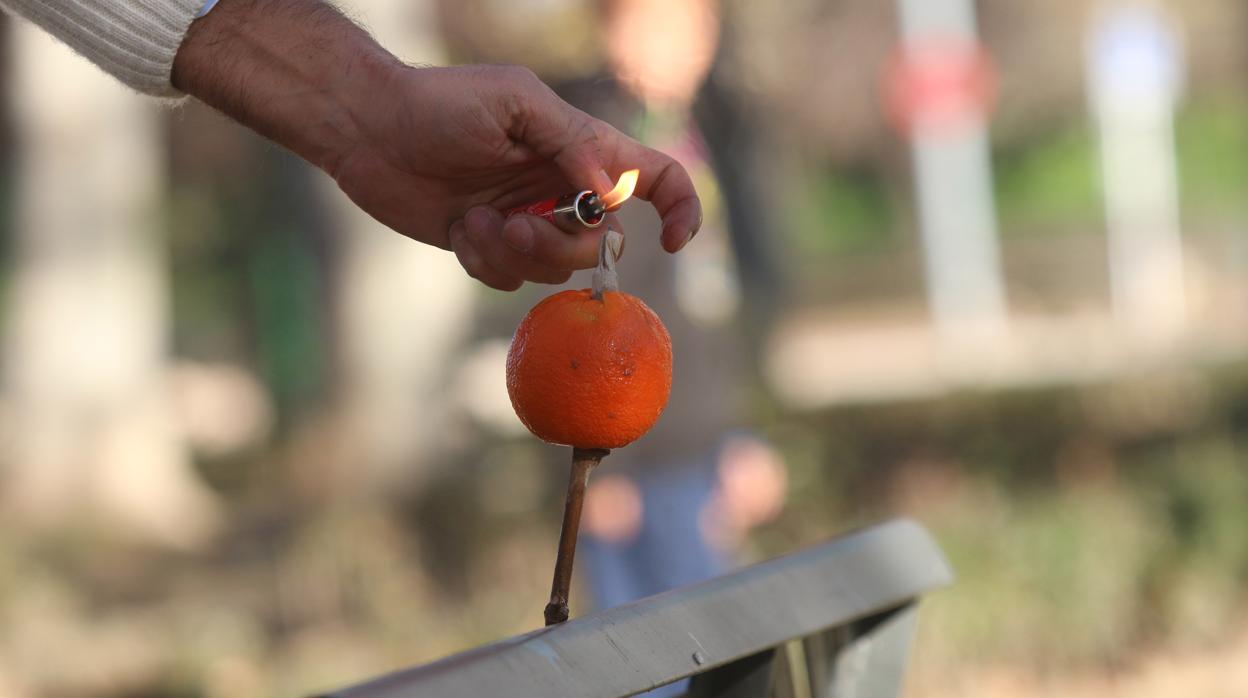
{"x":134,"y":40}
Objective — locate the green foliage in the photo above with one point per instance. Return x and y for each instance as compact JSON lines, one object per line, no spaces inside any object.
{"x":841,"y":213}
{"x":1051,"y":183}
{"x":1200,"y":490}
{"x":284,"y":279}
{"x":1048,"y":578}
{"x":1076,"y":540}
{"x":1211,"y":141}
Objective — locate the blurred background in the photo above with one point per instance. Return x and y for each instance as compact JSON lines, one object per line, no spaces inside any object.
{"x":981,"y":264}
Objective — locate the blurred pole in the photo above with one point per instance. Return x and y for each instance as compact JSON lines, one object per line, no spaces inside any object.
{"x":405,"y":306}
{"x":942,"y":87}
{"x":90,"y":426}
{"x":1134,"y":76}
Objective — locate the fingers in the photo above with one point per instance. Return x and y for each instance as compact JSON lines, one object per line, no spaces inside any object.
{"x":583,"y":148}
{"x":580,"y":158}
{"x":665,"y":184}
{"x":505,"y":252}
{"x":551,"y":246}
{"x":473,"y":263}
{"x":485,"y":229}
{"x":557,"y":131}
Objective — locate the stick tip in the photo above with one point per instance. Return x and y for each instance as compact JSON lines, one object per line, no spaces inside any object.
{"x":556,"y":613}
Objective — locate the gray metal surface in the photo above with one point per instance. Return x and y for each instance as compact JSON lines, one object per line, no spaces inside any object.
{"x":750,"y":677}
{"x":689,"y":631}
{"x":872,"y":664}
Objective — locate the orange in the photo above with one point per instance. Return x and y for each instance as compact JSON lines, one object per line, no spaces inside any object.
{"x":590,"y":373}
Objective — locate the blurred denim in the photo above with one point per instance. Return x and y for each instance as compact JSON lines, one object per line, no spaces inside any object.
{"x":669,"y":550}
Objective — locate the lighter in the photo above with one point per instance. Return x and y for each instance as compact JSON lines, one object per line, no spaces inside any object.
{"x":583,"y":207}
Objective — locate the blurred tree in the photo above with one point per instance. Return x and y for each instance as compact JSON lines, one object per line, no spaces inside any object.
{"x":90,"y":429}
{"x":404,"y":307}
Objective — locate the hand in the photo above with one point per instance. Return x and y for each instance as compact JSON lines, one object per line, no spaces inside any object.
{"x":470,"y":142}
{"x":434,"y":153}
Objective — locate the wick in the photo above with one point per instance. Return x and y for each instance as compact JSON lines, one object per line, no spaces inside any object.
{"x":609,"y":251}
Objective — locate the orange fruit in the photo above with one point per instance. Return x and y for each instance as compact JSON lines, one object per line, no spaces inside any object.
{"x":590,"y":373}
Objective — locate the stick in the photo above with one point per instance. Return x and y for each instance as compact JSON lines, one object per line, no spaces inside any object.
{"x":583,"y":461}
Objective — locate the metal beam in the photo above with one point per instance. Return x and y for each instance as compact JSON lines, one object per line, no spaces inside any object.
{"x":664,"y":638}
{"x":869,"y":660}
{"x":750,"y":677}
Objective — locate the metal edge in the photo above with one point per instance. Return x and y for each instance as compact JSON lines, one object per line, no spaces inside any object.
{"x":652,"y":641}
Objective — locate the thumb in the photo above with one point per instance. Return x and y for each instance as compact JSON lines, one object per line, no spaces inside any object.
{"x":568,"y":137}
{"x":579,"y":157}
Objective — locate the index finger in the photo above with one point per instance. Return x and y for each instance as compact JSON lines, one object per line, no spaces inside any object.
{"x":663,"y":182}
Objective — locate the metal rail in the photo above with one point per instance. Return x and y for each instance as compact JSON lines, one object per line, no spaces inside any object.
{"x":835,"y":619}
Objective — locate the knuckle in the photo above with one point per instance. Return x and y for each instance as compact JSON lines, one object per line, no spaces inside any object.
{"x":520,"y":74}
{"x":518,"y":79}
{"x":473,"y":271}
{"x":587,"y":134}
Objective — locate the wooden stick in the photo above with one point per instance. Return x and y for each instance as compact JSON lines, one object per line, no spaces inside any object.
{"x":583,"y":461}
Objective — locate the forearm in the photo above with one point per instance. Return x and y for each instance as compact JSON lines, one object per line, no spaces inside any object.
{"x":295,"y":71}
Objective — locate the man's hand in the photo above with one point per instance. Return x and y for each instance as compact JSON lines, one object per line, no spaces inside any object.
{"x":434,"y":153}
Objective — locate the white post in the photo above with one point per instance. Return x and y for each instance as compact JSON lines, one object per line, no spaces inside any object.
{"x":953,"y":177}
{"x":89,"y":426}
{"x":1134,"y":77}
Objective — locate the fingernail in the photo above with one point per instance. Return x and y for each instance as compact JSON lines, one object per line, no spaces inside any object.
{"x":519,"y":234}
{"x":685,"y":241}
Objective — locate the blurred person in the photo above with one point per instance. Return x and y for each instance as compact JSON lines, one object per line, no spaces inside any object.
{"x":672,"y":508}
{"x":433,"y":153}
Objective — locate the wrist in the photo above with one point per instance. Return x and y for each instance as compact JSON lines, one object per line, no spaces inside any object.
{"x":295,"y":71}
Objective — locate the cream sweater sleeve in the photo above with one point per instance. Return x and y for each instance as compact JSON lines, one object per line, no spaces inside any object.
{"x":134,"y":40}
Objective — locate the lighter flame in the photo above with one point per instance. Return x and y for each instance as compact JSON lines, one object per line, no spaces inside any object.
{"x":623,"y":189}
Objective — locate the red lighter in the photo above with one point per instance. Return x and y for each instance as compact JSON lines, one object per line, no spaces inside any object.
{"x":583,"y":207}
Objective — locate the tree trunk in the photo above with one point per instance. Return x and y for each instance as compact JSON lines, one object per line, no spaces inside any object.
{"x":90,"y":431}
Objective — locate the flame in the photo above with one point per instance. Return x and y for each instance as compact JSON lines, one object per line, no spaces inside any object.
{"x":623,"y":189}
